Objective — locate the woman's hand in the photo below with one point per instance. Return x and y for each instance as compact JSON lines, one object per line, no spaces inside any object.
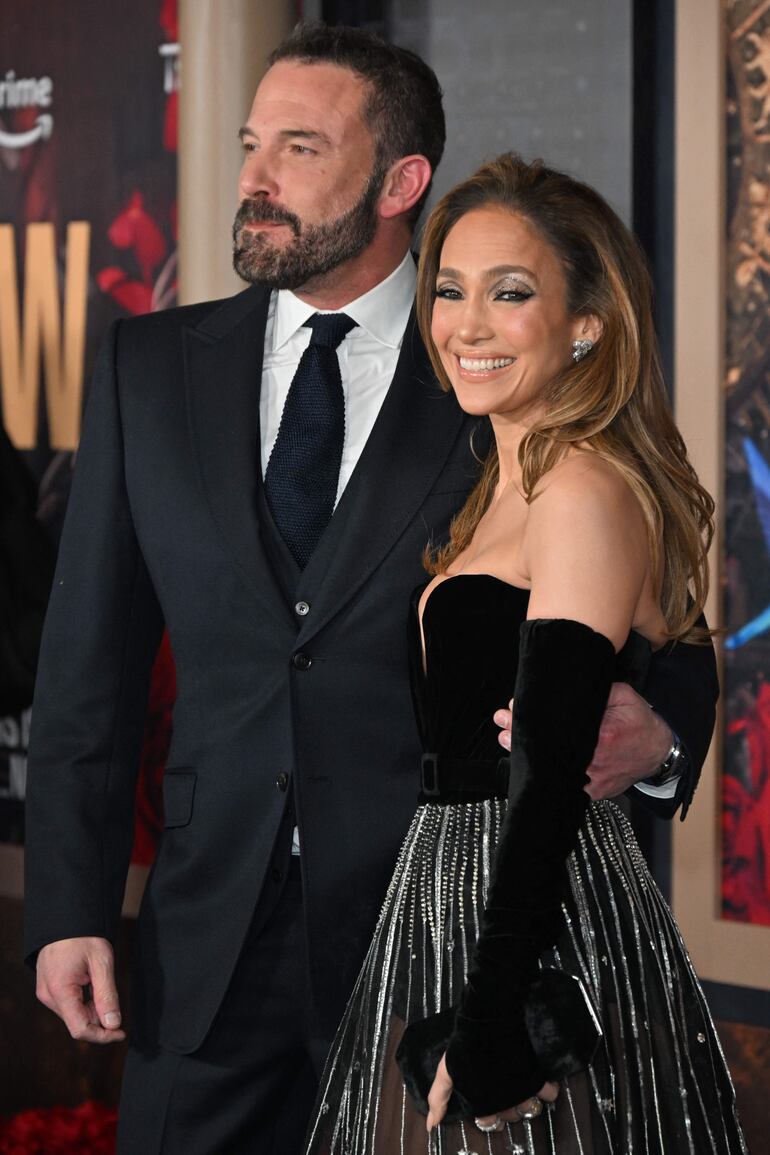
{"x":440,"y":1092}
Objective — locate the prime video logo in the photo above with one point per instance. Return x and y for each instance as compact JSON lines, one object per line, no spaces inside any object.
{"x":26,"y":92}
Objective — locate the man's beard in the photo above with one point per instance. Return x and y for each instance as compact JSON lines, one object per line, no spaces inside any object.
{"x":315,"y":249}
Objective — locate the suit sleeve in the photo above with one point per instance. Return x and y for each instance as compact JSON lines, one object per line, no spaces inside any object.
{"x":102,"y":630}
{"x":682,"y":686}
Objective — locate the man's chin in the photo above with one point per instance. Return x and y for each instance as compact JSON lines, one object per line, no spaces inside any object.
{"x":264,"y":272}
{"x":252,"y":264}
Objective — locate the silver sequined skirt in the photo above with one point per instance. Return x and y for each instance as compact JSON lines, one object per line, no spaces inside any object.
{"x":658,"y":1084}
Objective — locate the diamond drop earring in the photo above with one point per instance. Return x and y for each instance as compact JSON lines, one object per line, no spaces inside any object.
{"x":581,"y":347}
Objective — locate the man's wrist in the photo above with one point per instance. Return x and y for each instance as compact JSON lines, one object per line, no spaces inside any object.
{"x":672,"y":766}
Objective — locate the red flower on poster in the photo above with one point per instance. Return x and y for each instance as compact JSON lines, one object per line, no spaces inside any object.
{"x":90,"y":1127}
{"x":746,"y":818}
{"x":169,"y":20}
{"x":135,"y":229}
{"x":137,"y":233}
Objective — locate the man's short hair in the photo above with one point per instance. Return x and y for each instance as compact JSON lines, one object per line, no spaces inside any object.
{"x":403,"y":109}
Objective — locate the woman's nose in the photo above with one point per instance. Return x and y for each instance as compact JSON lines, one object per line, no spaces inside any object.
{"x":473,"y":322}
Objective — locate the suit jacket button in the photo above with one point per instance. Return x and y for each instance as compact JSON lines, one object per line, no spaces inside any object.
{"x":282,"y":781}
{"x":301,"y":661}
{"x":302,"y":608}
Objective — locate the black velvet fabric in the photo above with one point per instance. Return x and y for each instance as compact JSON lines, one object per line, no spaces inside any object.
{"x":564,"y":676}
{"x":418,"y":1056}
{"x":561,"y":1025}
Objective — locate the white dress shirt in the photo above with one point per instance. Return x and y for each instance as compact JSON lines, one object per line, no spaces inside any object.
{"x":367,"y":357}
{"x":666,"y":791}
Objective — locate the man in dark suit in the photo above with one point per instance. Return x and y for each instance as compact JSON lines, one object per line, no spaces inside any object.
{"x":292,"y":774}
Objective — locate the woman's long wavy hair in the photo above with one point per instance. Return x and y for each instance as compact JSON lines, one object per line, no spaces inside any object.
{"x":614,"y":401}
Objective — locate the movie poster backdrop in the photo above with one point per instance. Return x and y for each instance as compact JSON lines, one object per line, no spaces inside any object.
{"x":88,"y":137}
{"x":746,"y":777}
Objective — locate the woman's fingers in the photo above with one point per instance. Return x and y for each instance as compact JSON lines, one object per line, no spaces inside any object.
{"x":529,"y":1109}
{"x":441,"y":1090}
{"x":548,"y":1092}
{"x":532,"y":1107}
{"x":504,"y":719}
{"x":491,"y":1123}
{"x":439,"y":1095}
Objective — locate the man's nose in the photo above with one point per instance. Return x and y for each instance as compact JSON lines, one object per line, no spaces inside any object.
{"x":256,"y":177}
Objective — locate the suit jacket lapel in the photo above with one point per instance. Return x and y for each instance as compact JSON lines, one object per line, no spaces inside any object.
{"x":223,"y":369}
{"x":407,"y":448}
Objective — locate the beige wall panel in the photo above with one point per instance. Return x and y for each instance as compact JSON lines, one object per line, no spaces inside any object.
{"x":224,"y":48}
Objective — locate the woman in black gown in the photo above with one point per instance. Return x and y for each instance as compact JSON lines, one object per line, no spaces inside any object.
{"x":582,"y":548}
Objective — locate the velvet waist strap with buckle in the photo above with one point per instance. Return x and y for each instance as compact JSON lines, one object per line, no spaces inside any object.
{"x":446,"y":779}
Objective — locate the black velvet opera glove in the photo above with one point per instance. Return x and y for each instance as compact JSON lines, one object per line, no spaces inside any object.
{"x":563,"y":682}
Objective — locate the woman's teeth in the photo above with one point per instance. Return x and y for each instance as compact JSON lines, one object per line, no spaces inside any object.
{"x":484,"y":364}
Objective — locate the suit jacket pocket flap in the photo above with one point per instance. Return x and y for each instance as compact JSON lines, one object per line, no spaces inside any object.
{"x":178,"y":794}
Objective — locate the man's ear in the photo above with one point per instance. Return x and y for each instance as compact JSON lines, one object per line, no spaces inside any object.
{"x":404,"y":185}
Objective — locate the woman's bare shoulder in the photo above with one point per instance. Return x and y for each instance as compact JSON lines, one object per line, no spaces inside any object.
{"x":585,"y":547}
{"x":583,"y":476}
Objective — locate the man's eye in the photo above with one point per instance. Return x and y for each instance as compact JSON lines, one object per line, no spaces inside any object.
{"x":302,"y":150}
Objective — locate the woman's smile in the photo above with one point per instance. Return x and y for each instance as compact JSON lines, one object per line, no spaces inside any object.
{"x":472,"y":366}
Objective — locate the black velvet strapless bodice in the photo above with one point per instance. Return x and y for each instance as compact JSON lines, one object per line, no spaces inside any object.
{"x":471,"y":626}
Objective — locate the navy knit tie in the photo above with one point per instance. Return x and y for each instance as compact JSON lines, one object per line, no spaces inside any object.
{"x":303,"y":472}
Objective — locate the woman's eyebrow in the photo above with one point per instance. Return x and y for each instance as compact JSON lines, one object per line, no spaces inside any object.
{"x":489,"y":274}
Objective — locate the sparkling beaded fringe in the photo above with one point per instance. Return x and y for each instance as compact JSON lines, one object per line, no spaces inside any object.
{"x":659,"y":1083}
